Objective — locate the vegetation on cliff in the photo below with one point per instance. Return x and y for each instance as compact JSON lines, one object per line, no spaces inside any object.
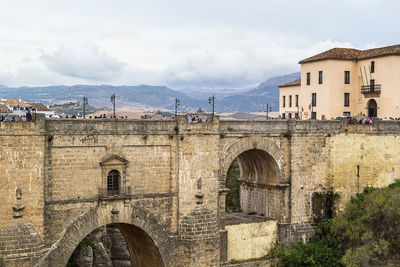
{"x":366,"y":233}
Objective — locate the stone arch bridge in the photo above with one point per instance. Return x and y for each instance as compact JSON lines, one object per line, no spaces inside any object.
{"x":163,"y":182}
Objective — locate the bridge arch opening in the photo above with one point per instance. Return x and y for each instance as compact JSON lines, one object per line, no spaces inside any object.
{"x":117,"y":244}
{"x":253,"y":178}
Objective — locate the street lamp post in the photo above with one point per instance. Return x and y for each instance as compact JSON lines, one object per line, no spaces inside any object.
{"x":177,"y":104}
{"x":311,"y":107}
{"x":268,"y":109}
{"x":113,"y":101}
{"x":298,"y":111}
{"x":211,"y":101}
{"x":85,"y":102}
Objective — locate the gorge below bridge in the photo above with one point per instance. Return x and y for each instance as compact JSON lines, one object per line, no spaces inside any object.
{"x":163,"y":183}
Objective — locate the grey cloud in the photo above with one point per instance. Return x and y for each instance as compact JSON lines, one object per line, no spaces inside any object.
{"x":85,"y":62}
{"x":235,"y":65}
{"x":179,"y":43}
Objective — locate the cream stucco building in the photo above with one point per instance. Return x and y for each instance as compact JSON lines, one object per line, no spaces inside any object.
{"x":345,"y":82}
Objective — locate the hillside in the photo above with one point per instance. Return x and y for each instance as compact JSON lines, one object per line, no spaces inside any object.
{"x":255,"y":99}
{"x":158,"y":97}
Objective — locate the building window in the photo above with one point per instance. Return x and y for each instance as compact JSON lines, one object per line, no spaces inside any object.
{"x":314,"y":115}
{"x":284,"y":101}
{"x":320,"y":77}
{"x":346,"y":99}
{"x":290,"y":101}
{"x":346,"y":113}
{"x":308,"y":78}
{"x":314,"y":99}
{"x":113,"y":178}
{"x":283,"y":115}
{"x":297,"y":101}
{"x":290,"y":115}
{"x":347,"y":77}
{"x":372,"y":66}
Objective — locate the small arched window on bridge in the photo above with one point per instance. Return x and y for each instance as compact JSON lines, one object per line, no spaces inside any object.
{"x":113,"y":179}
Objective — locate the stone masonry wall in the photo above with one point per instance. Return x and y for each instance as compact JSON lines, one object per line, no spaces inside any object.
{"x":22,"y":150}
{"x":172,"y":170}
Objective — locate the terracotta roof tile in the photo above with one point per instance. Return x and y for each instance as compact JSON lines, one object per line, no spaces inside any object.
{"x":15,"y":103}
{"x":379,"y":52}
{"x":334,"y":53}
{"x":353,"y":54}
{"x":39,"y":107}
{"x":292,"y":83}
{"x":4,"y":108}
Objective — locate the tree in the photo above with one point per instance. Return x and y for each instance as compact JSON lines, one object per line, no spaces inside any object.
{"x":366,"y":233}
{"x":369,"y":228}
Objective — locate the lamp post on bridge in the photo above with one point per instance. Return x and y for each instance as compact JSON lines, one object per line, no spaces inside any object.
{"x":85,"y":102}
{"x":211,"y":101}
{"x":113,"y":101}
{"x":268,"y":109}
{"x":298,"y":111}
{"x":177,"y":104}
{"x":311,"y":107}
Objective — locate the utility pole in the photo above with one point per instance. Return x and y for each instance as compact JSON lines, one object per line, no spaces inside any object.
{"x":268,"y":109}
{"x":211,"y":101}
{"x":177,"y":104}
{"x":113,"y":101}
{"x":85,"y":102}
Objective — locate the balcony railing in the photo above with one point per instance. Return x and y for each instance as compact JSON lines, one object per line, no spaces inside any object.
{"x":367,"y":89}
{"x":115,"y":193}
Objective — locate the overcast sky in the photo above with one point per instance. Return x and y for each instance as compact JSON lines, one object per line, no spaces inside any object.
{"x":202,"y":43}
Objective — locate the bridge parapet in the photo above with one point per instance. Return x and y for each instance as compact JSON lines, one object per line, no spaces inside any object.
{"x":278,"y":127}
{"x":109,"y":126}
{"x":34,"y":127}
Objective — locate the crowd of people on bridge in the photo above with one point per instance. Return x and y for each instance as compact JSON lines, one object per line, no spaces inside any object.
{"x":364,"y":120}
{"x":26,"y":117}
{"x":101,"y":116}
{"x":196,"y":119}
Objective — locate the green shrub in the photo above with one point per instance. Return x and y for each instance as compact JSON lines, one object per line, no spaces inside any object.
{"x":369,"y":228}
{"x":366,"y":233}
{"x":232,"y":182}
{"x":317,"y":252}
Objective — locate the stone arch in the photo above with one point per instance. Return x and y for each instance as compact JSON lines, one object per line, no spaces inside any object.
{"x":132,"y":221}
{"x":19,"y":235}
{"x":233,"y":151}
{"x":262,"y":189}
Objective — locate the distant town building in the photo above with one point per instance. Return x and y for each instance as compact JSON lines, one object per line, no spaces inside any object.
{"x":17,"y":107}
{"x":4,"y":110}
{"x":39,"y":108}
{"x":345,"y":82}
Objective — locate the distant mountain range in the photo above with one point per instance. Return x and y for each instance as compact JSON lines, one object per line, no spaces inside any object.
{"x":158,"y":97}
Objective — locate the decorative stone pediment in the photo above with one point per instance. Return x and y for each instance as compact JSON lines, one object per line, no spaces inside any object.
{"x":113,"y":160}
{"x":114,"y":164}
